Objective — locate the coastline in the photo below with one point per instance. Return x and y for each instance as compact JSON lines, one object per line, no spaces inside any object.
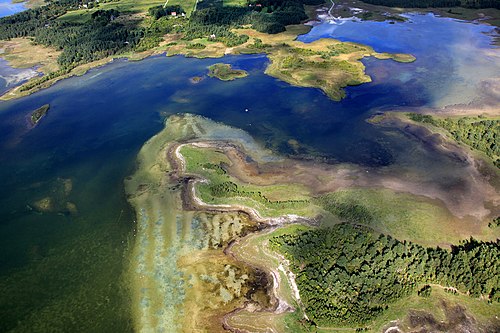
{"x":442,"y":140}
{"x":163,"y":186}
{"x":251,"y":250}
{"x":15,"y":92}
{"x":344,"y":70}
{"x":172,"y":194}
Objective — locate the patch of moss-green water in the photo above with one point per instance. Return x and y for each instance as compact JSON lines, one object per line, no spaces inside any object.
{"x":179,"y":277}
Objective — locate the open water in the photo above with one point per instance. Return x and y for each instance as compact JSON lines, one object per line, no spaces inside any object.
{"x":63,"y":270}
{"x":8,"y":8}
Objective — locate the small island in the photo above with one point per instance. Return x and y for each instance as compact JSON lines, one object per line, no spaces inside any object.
{"x":225,"y":72}
{"x":38,"y":114}
{"x":196,"y":79}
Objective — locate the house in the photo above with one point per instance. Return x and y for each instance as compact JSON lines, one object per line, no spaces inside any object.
{"x":174,"y":14}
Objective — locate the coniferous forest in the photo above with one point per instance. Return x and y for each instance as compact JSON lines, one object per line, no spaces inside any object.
{"x":100,"y":36}
{"x":347,"y":274}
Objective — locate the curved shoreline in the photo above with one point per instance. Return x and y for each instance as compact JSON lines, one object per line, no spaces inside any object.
{"x":354,"y":76}
{"x":192,"y":202}
{"x":167,"y":178}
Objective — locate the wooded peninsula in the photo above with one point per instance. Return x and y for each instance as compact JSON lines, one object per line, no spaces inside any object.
{"x":84,"y":37}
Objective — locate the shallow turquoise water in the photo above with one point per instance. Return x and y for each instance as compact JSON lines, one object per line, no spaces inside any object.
{"x":63,"y":272}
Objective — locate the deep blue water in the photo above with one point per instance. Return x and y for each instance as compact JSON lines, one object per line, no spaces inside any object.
{"x":61,"y":270}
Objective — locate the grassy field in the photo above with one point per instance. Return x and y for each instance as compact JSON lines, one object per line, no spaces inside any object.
{"x":123,"y":6}
{"x":188,"y":5}
{"x":402,"y":215}
{"x":434,"y":305}
{"x":269,"y":201}
{"x":235,"y":2}
{"x":22,"y":53}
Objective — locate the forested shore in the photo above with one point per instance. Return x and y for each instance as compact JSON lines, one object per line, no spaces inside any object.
{"x":348,"y":274}
{"x":478,"y":133}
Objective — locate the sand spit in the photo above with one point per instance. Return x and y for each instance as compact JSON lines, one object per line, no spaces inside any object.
{"x":467,"y":194}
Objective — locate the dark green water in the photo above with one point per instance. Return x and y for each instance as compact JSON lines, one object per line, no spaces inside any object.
{"x":62,"y":271}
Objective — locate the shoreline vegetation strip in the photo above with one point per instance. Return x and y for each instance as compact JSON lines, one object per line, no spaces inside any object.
{"x":451,"y":269}
{"x":105,"y":34}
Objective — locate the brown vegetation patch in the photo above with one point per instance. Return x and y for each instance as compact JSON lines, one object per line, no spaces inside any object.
{"x":457,"y":320}
{"x":22,"y":53}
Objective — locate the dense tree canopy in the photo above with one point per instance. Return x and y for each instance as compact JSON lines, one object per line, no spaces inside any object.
{"x":101,"y":36}
{"x":215,"y":21}
{"x":97,"y":38}
{"x":347,"y":274}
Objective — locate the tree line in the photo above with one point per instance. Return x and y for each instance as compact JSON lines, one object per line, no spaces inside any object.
{"x":97,"y":38}
{"x":100,"y":36}
{"x":228,"y":189}
{"x":347,"y":275}
{"x":478,"y":133}
{"x":271,"y":17}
